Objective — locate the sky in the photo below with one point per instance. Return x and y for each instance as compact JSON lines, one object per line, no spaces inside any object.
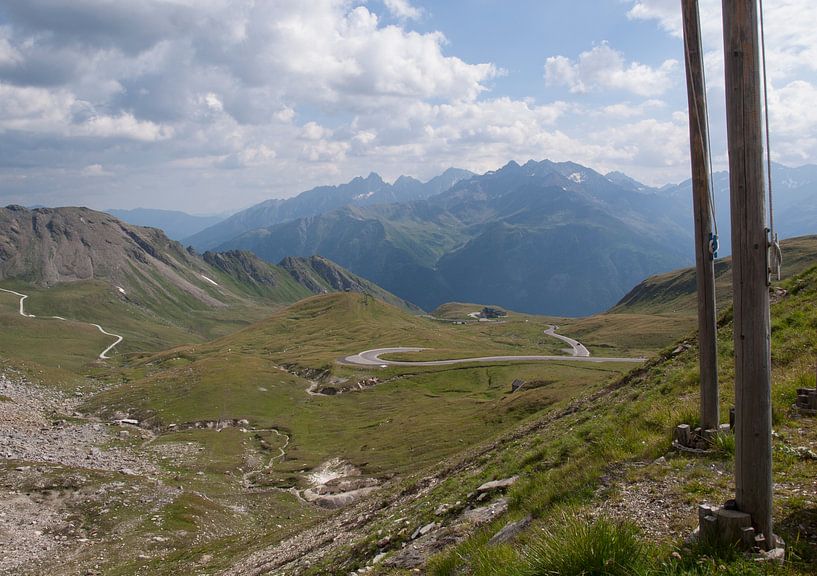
{"x":210,"y":106}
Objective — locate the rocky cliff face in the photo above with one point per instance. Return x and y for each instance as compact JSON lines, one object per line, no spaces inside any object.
{"x":320,"y":275}
{"x":243,"y":266}
{"x":49,"y":246}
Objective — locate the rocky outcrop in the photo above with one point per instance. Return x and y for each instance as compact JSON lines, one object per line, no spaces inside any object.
{"x":320,"y":275}
{"x":337,"y":484}
{"x":244,"y":266}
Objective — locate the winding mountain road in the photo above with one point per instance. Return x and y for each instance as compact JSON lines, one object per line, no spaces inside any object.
{"x":577,"y":348}
{"x":578,"y":352}
{"x":102,"y":355}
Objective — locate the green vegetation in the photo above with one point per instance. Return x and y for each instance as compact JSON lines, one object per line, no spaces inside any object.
{"x":33,"y":339}
{"x":412,"y":420}
{"x":576,"y":547}
{"x":628,"y":427}
{"x":624,"y":334}
{"x":674,"y":292}
{"x":392,"y":427}
{"x":99,"y":303}
{"x":590,"y":442}
{"x":570,"y":548}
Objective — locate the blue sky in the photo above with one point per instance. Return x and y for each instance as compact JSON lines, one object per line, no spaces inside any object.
{"x":213,"y":105}
{"x":516,"y":36}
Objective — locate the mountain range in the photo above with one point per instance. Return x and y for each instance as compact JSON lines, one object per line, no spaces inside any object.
{"x":794,"y":202}
{"x":555,"y":238}
{"x":177,"y":225}
{"x":140,"y":272}
{"x":358,"y":192}
{"x":543,"y":237}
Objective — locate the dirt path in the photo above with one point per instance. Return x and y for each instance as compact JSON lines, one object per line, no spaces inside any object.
{"x":246,"y":477}
{"x":102,"y":355}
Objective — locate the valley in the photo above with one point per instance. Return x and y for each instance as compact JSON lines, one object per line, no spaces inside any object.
{"x":408,"y":288}
{"x":232,"y":456}
{"x":216,"y":440}
{"x":231,"y":431}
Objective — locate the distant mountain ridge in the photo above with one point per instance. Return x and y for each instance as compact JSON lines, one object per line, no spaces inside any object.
{"x":545,"y":237}
{"x":794,"y":202}
{"x":675,"y":292}
{"x":358,"y":192}
{"x":143,"y":266}
{"x":175,"y":224}
{"x":321,"y":275}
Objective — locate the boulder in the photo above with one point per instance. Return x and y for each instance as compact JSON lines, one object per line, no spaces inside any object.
{"x":498,"y":485}
{"x":509,"y":531}
{"x":423,"y":530}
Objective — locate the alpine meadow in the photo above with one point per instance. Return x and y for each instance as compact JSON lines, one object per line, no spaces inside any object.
{"x":397,"y":287}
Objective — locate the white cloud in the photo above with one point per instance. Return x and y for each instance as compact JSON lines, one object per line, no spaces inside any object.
{"x":124,"y":125}
{"x":346,"y":58}
{"x":213,"y":102}
{"x":791,"y":37}
{"x":630,"y":110}
{"x":314,"y":131}
{"x":403,"y":9}
{"x":35,"y":110}
{"x":9,"y":55}
{"x":793,"y":119}
{"x":60,"y":113}
{"x":605,"y":68}
{"x":666,"y":12}
{"x":95,"y":170}
{"x":271,"y":98}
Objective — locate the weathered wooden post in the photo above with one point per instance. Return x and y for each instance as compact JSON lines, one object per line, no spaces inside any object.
{"x":702,"y":207}
{"x":750,"y":273}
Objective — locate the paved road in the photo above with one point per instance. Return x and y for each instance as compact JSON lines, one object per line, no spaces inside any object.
{"x":577,"y":348}
{"x":578,"y":354}
{"x":102,"y":355}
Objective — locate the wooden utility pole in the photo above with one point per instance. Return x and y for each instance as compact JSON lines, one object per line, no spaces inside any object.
{"x":750,"y":272}
{"x":702,"y":207}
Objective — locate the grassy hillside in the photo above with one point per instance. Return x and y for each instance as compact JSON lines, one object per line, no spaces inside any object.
{"x":89,"y":267}
{"x":146,"y":324}
{"x":33,"y":338}
{"x":675,"y":292}
{"x":601,"y":473}
{"x":412,"y":420}
{"x":588,"y":442}
{"x":320,"y":276}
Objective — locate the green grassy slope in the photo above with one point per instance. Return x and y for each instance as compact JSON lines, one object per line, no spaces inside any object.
{"x":603,"y":454}
{"x":412,"y":420}
{"x":33,"y":338}
{"x":317,"y":331}
{"x":607,"y":454}
{"x":89,"y":267}
{"x":583,"y":439}
{"x":674,"y":292}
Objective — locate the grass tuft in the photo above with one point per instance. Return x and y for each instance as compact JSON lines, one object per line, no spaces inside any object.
{"x":579,"y":548}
